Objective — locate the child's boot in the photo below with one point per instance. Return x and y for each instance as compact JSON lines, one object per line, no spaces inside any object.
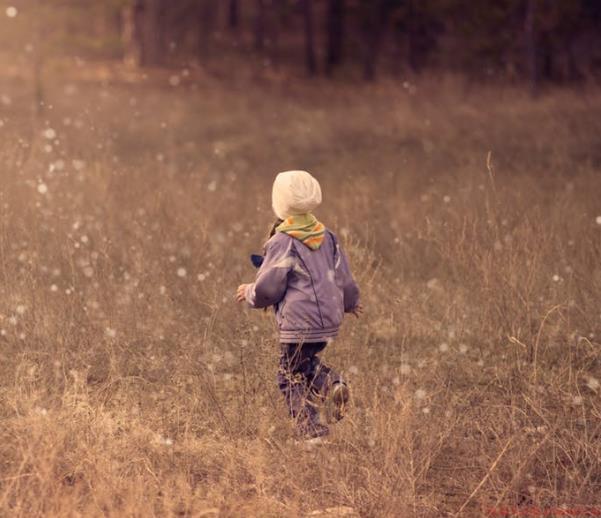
{"x":337,"y":400}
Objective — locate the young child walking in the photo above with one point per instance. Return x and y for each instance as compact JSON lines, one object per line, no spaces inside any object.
{"x":305,"y":275}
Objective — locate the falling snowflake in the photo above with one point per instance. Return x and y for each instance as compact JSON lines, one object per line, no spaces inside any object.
{"x":201,"y":277}
{"x":420,"y":394}
{"x":181,"y":272}
{"x":443,"y":347}
{"x":42,"y":188}
{"x":11,"y":11}
{"x":432,"y":283}
{"x":556,"y":278}
{"x":598,"y":220}
{"x":54,"y":287}
{"x":592,"y":383}
{"x":78,"y":165}
{"x":405,"y":369}
{"x":163,"y":440}
{"x":41,"y":411}
{"x":463,"y":348}
{"x":110,"y":332}
{"x":212,"y":186}
{"x":49,"y":133}
{"x":446,"y":199}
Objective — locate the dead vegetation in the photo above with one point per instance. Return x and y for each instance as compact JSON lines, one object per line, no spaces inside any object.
{"x":132,"y":385}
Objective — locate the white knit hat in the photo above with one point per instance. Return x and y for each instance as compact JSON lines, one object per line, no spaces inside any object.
{"x":294,"y":193}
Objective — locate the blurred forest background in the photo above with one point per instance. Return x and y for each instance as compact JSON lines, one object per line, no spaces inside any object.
{"x":534,"y":41}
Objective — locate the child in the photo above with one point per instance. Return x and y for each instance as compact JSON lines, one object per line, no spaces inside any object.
{"x":306,"y":277}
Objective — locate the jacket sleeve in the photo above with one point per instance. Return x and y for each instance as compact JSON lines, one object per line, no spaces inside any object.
{"x":345,"y":280}
{"x":272,"y":278}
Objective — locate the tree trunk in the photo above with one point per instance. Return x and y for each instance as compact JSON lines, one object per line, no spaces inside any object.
{"x":310,"y":60}
{"x":531,"y":47}
{"x":141,"y":32}
{"x":234,"y":14}
{"x":130,"y":37}
{"x":206,"y":23}
{"x":335,"y":30}
{"x":260,"y":26}
{"x":412,"y":38}
{"x":152,"y":53}
{"x":373,"y":36}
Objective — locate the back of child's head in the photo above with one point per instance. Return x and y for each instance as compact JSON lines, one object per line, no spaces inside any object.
{"x":295,"y":193}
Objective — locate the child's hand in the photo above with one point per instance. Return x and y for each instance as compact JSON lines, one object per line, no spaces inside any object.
{"x":358,"y":311}
{"x":241,"y":293}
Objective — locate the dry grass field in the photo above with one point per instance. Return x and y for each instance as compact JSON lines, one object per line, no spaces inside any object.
{"x":131,"y":384}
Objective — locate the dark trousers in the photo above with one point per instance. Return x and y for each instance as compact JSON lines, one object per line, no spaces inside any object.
{"x":304,"y":380}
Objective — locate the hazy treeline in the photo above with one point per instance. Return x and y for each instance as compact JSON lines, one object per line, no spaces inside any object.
{"x":523,"y":40}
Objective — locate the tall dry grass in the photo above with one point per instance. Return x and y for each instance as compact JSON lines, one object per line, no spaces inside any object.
{"x":132,"y":385}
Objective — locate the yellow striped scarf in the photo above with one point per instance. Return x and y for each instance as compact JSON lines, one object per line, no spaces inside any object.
{"x":305,"y":228}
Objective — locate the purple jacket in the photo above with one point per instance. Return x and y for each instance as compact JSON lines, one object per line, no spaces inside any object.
{"x":310,"y":289}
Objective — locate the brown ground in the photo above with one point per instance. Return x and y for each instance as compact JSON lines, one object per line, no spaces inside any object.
{"x":132,"y":385}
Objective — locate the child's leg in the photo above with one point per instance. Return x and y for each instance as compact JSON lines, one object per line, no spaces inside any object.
{"x":327,"y":387}
{"x":295,"y":377}
{"x":322,"y":377}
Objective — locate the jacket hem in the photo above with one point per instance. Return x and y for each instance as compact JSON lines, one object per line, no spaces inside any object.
{"x":308,"y":335}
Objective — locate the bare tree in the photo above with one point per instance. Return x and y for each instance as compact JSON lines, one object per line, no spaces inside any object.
{"x":234,"y":14}
{"x":310,"y":59}
{"x":142,"y":32}
{"x":336,"y":11}
{"x":151,"y":31}
{"x":374,"y":29}
{"x":260,"y":26}
{"x":206,"y":21}
{"x":132,"y":45}
{"x":531,"y":47}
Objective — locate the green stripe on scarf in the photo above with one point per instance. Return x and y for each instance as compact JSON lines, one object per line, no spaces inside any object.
{"x":305,"y":228}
